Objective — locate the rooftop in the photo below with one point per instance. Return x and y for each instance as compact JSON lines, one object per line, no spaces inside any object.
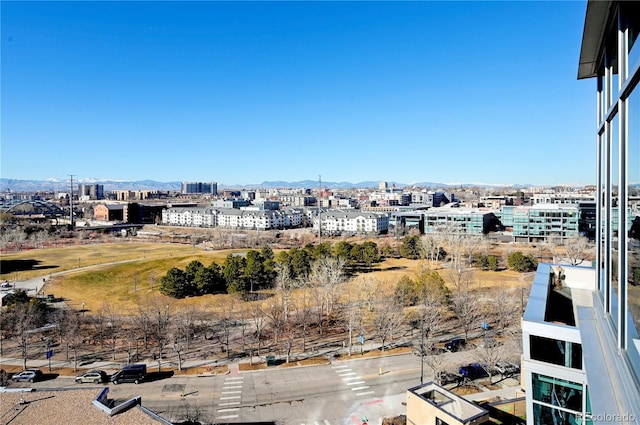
{"x":76,"y":406}
{"x":448,"y":402}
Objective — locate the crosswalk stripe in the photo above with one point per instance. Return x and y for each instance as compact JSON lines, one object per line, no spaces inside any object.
{"x":227,"y":417}
{"x":355,"y":382}
{"x":360,"y":388}
{"x":231,"y":392}
{"x":233,"y":409}
{"x":231,"y":386}
{"x":351,"y":378}
{"x":346,"y":374}
{"x":341,"y":367}
{"x":230,"y":397}
{"x":368,"y":392}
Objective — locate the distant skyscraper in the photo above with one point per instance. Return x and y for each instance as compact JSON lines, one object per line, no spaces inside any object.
{"x":91,"y":191}
{"x":199,"y":188}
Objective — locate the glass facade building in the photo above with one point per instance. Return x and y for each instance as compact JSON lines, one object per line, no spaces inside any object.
{"x":581,"y":349}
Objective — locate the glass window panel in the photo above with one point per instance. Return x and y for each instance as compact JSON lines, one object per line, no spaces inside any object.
{"x":545,"y":415}
{"x":602,"y":282}
{"x":633,"y":247}
{"x":601,"y":99}
{"x":557,"y":352}
{"x":557,"y":392}
{"x":634,"y":42}
{"x":613,"y":254}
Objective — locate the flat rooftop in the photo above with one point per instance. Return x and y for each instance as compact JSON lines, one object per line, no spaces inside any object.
{"x":448,"y":402}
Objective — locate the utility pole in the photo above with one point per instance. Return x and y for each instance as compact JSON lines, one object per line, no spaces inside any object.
{"x":319,"y":210}
{"x":71,"y":202}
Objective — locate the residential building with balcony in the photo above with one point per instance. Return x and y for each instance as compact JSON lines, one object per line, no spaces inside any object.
{"x":352,"y":222}
{"x":542,"y":222}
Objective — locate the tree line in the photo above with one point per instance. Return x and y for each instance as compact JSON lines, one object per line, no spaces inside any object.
{"x":254,"y":270}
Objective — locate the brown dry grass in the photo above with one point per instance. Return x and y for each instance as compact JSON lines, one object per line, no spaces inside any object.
{"x":465,"y":390}
{"x":254,"y":366}
{"x":127,"y":285}
{"x":375,"y":353}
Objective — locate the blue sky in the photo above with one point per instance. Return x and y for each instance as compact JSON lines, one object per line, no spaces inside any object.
{"x":242,"y":92}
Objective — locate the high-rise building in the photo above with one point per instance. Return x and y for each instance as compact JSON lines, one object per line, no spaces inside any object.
{"x":90,"y":191}
{"x":199,"y":188}
{"x":580,"y":329}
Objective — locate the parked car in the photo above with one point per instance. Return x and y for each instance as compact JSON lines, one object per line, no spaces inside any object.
{"x":135,"y":373}
{"x":456,"y":344}
{"x":28,"y":375}
{"x":445,"y":378}
{"x":506,"y":368}
{"x":92,"y":376}
{"x":473,"y":371}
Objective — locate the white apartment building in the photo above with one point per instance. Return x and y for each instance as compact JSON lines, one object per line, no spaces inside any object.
{"x":356,"y":222}
{"x":232,"y":218}
{"x":572,"y":198}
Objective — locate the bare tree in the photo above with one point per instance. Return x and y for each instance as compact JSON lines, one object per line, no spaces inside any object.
{"x":75,"y":336}
{"x":467,"y":306}
{"x":257,"y":317}
{"x":111,"y":325}
{"x":64,"y":330}
{"x":505,"y":306}
{"x":226,"y":314}
{"x":326,"y":274}
{"x":304,"y":312}
{"x":161,"y":315}
{"x":389,"y":315}
{"x":275,"y":316}
{"x":26,"y":317}
{"x":142,"y":318}
{"x":578,"y":248}
{"x":370,"y":289}
{"x":490,"y":353}
{"x":431,"y":248}
{"x":285,"y":284}
{"x":555,"y":247}
{"x":185,"y":324}
{"x":434,"y":359}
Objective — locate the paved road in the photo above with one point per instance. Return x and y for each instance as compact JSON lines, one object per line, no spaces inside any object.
{"x":340,"y":393}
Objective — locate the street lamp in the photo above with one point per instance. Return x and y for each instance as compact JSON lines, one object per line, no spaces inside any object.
{"x":82,"y":310}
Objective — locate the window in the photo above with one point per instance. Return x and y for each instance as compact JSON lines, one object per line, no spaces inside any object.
{"x":633,"y":224}
{"x":614,"y":137}
{"x":557,"y":392}
{"x":562,"y":353}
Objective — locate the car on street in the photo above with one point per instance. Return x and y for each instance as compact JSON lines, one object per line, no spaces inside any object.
{"x":92,"y":376}
{"x":135,"y":373}
{"x":507,"y":368}
{"x":473,"y":371}
{"x":445,"y":377}
{"x":28,"y":375}
{"x":455,"y":344}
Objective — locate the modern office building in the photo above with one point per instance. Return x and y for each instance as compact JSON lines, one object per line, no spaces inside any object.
{"x":580,"y":329}
{"x":470,"y":221}
{"x":210,"y":188}
{"x":543,"y":222}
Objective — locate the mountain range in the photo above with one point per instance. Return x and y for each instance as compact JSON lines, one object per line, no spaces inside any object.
{"x":15,"y":185}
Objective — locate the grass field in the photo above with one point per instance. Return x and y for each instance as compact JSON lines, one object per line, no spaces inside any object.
{"x":125,"y":285}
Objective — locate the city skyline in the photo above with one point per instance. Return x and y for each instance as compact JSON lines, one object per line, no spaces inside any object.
{"x":242,"y":92}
